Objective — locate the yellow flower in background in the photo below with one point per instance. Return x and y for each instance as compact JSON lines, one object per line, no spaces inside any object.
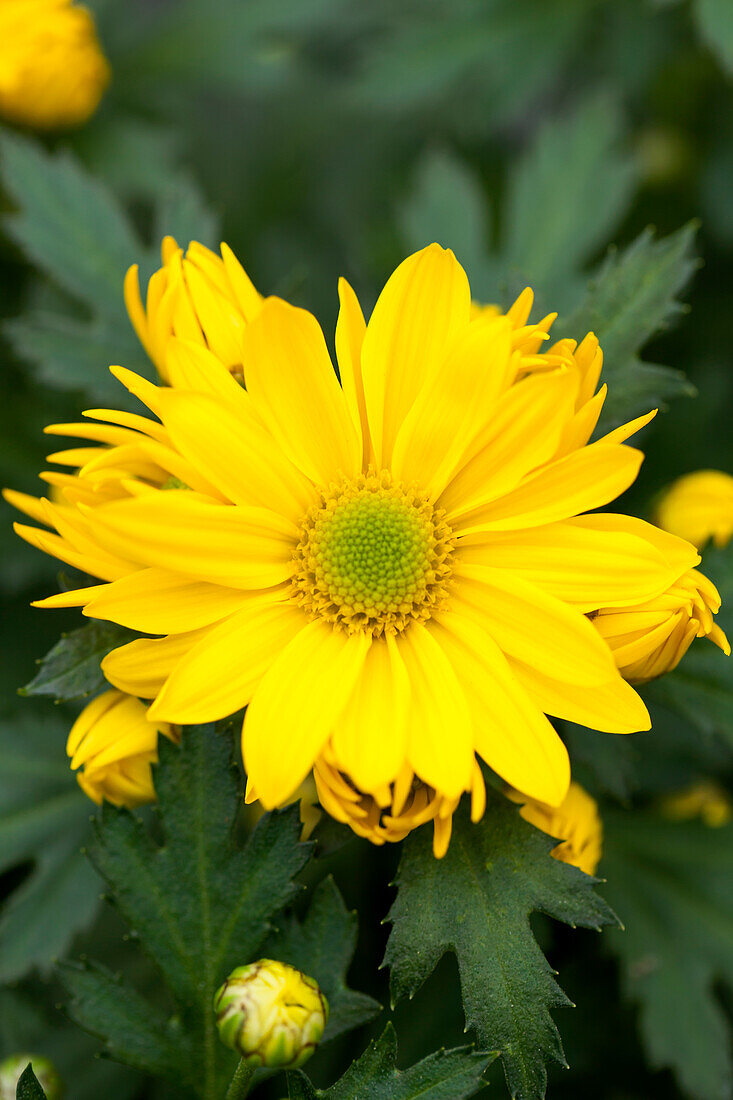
{"x":393,"y":574}
{"x":706,"y":800}
{"x":651,"y":638}
{"x":112,"y":745}
{"x":576,"y":822}
{"x":699,"y":507}
{"x":52,"y":69}
{"x":197,"y":296}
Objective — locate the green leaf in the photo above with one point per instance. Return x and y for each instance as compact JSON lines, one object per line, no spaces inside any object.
{"x":71,"y":669}
{"x":445,"y":1075}
{"x":183,"y":213}
{"x":323,"y":946}
{"x":672,"y":884}
{"x":44,"y":821}
{"x":553,"y":227}
{"x":135,"y":1032}
{"x":69,"y":225}
{"x":198,"y":904}
{"x":631,"y":299}
{"x":28,"y":1087}
{"x":476,"y":902}
{"x":715,"y":21}
{"x":76,"y":354}
{"x":447,"y":205}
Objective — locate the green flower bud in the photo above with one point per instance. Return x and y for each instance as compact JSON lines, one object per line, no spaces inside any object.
{"x":272,"y":1014}
{"x":13,"y":1068}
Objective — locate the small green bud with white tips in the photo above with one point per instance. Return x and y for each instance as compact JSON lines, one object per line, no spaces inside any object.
{"x":12,"y":1069}
{"x":271,"y":1014}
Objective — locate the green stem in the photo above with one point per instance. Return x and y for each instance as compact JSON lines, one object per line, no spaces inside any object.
{"x":240,"y":1082}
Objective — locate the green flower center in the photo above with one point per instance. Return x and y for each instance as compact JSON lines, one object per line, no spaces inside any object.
{"x":373,"y":555}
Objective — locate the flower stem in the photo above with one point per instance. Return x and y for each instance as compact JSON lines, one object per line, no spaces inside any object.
{"x":240,"y":1082}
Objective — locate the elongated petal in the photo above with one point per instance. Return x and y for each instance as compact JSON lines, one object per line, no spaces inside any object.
{"x":423,"y":306}
{"x":156,"y":601}
{"x":522,"y":434}
{"x":533,"y":626}
{"x":510,"y":731}
{"x":582,"y":480}
{"x":217,"y":677}
{"x":97,"y":565}
{"x":235,"y":453}
{"x":193,"y":367}
{"x":678,"y":553}
{"x":440,"y":726}
{"x":350,"y":330}
{"x":296,"y":707}
{"x":613,"y":707}
{"x":589,"y":568}
{"x":230,"y":545}
{"x":295,"y":390}
{"x":451,"y":409}
{"x":142,"y":667}
{"x":370,"y":738}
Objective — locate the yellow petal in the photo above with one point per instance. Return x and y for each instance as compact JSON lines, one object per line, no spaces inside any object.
{"x":97,"y":565}
{"x":582,"y":480}
{"x":679,"y":554}
{"x":510,"y":731}
{"x":370,"y":738}
{"x":230,"y":545}
{"x":235,"y":453}
{"x":587,"y":567}
{"x":295,"y":391}
{"x":440,"y":726}
{"x":350,"y":330}
{"x":522,"y":434}
{"x":613,"y":707}
{"x":192,"y":367}
{"x":424,"y":305}
{"x":296,"y":707}
{"x":533,"y":626}
{"x":142,"y":667}
{"x":451,"y":409}
{"x":155,"y":601}
{"x":247,"y":296}
{"x":217,"y":677}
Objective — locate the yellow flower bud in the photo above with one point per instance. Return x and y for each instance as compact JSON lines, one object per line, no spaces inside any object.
{"x":576,"y":822}
{"x":12,"y":1069}
{"x":272,"y":1014}
{"x":651,"y":638}
{"x":706,"y":800}
{"x":113,"y":744}
{"x":195,"y":296}
{"x":699,"y":507}
{"x":52,"y":69}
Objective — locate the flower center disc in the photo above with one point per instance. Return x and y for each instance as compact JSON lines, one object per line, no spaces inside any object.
{"x":373,"y":556}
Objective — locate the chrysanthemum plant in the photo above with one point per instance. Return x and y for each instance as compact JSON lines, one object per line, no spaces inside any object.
{"x":370,"y":616}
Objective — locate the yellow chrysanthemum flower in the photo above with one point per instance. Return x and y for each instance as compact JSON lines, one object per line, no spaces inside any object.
{"x":699,"y":507}
{"x":112,"y":745}
{"x":576,"y":823}
{"x":651,"y":638}
{"x":394,"y":573}
{"x":197,"y":296}
{"x":52,"y":69}
{"x":706,"y":800}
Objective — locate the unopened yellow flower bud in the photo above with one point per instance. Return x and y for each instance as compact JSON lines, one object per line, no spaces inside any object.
{"x":197,"y":296}
{"x":698,"y":507}
{"x":52,"y":69}
{"x":12,"y":1069}
{"x":706,"y":800}
{"x":271,"y":1014}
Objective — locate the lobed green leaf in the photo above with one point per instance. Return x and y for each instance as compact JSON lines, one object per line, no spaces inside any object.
{"x":672,"y":884}
{"x":445,"y":1075}
{"x":71,"y":669}
{"x":476,"y":902}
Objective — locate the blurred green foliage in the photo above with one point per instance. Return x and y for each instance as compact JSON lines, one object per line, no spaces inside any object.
{"x":327,"y":137}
